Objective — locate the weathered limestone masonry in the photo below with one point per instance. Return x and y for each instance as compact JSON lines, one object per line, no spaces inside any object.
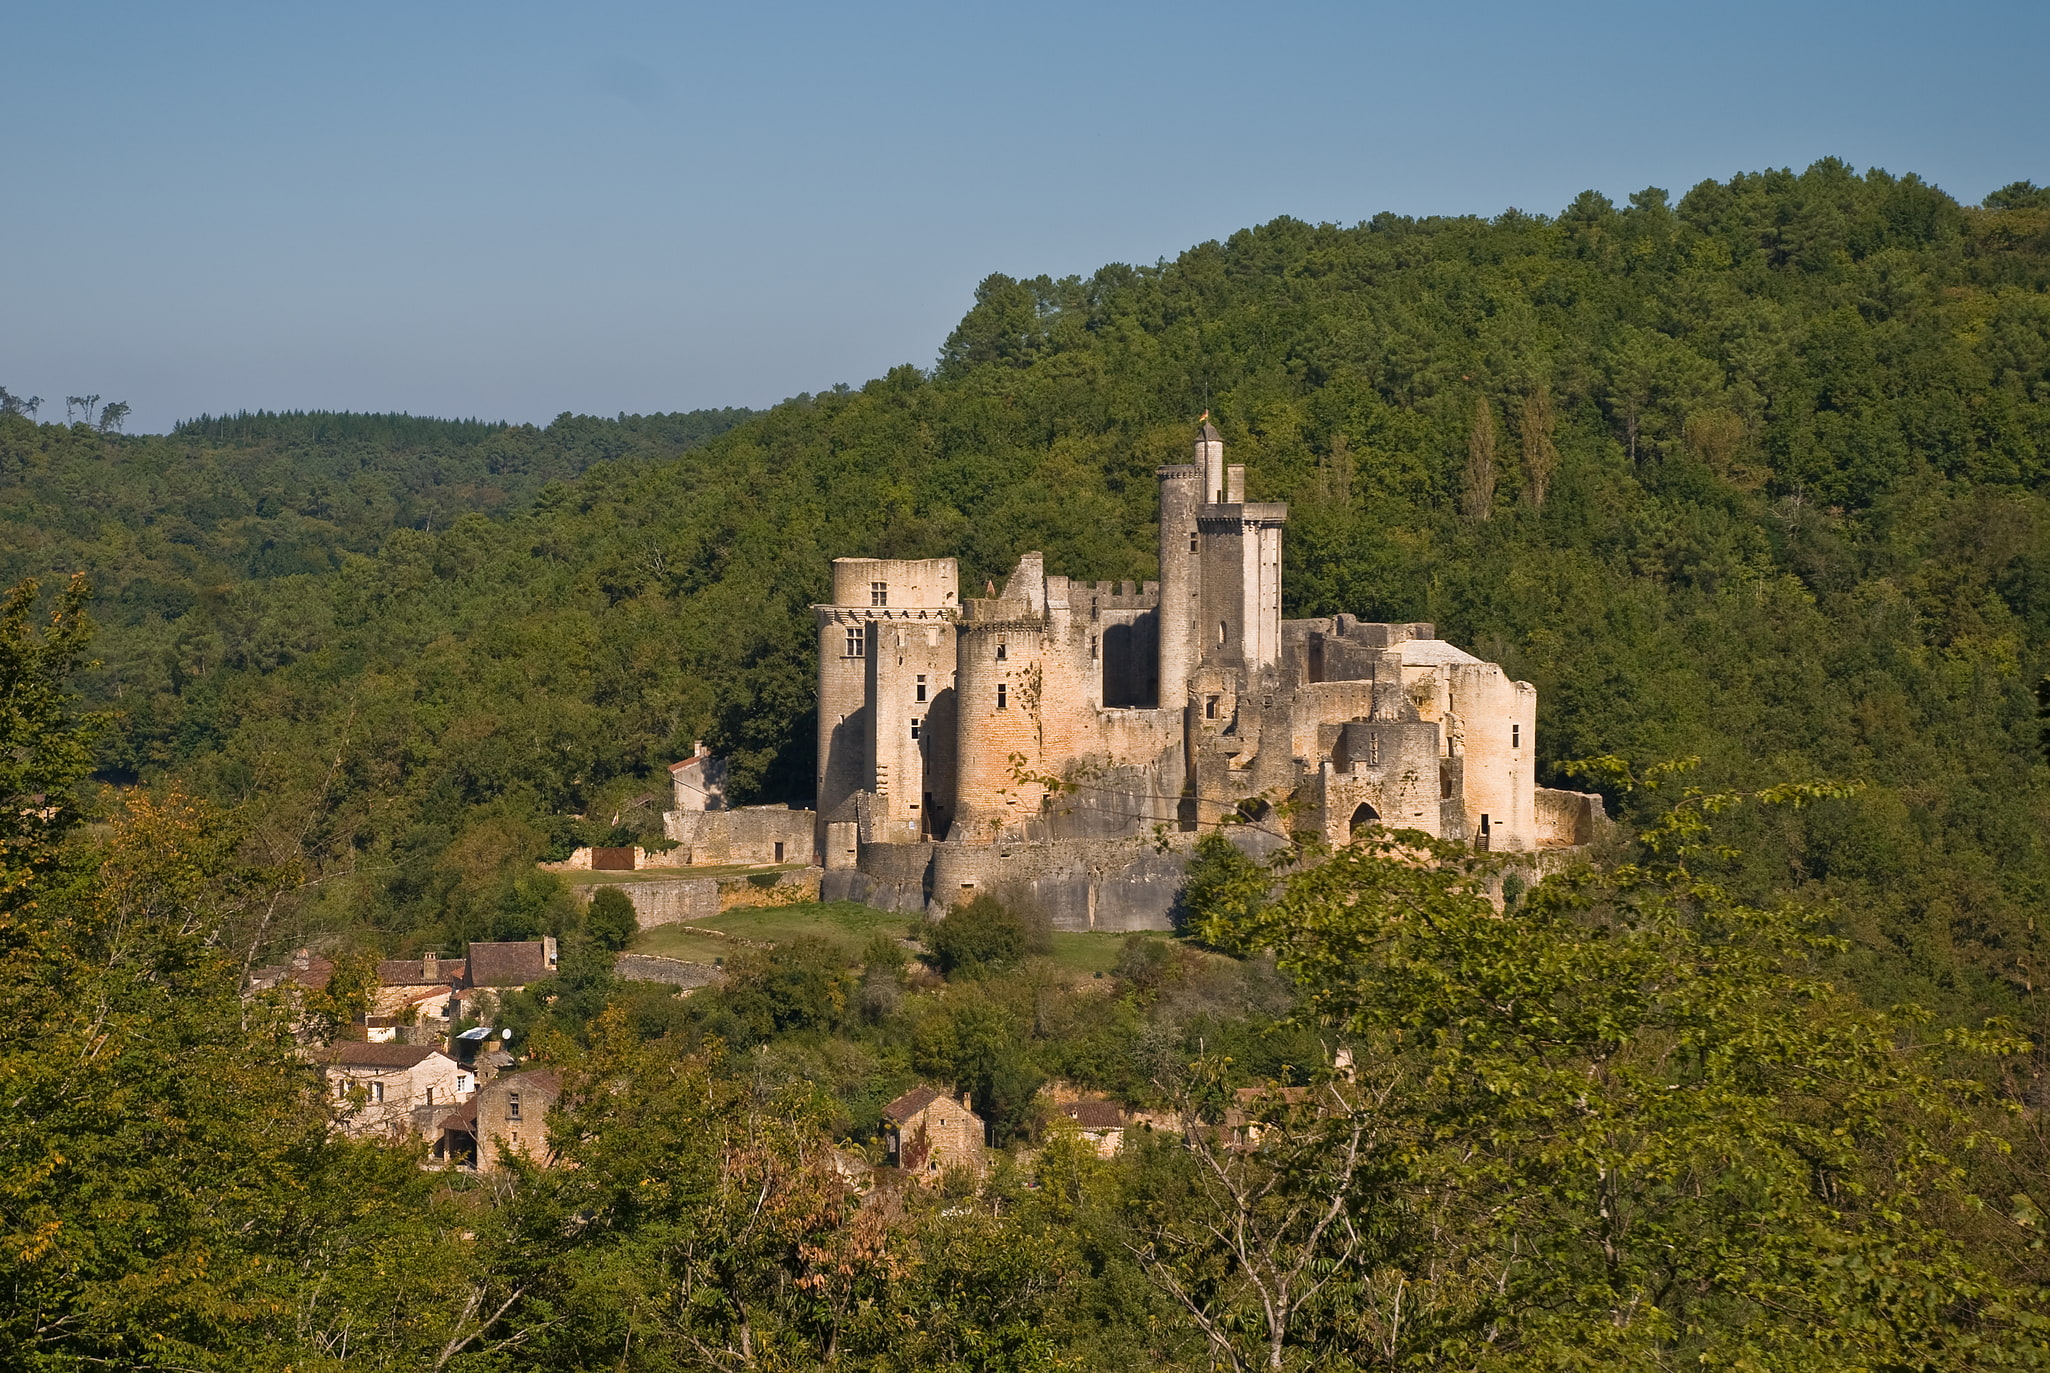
{"x":1156,"y":712}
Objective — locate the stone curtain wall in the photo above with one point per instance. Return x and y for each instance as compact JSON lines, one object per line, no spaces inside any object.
{"x":664,"y":902}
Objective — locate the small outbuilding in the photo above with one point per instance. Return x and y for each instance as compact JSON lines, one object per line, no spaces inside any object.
{"x":927,"y":1132}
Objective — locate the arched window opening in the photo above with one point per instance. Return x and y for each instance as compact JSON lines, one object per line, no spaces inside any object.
{"x":1366,"y":815}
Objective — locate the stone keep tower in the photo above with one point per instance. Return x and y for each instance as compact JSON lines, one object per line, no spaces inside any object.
{"x":886,"y":691}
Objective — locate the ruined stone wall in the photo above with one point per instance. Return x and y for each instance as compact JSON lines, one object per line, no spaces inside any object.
{"x":1567,"y":818}
{"x":752,"y":834}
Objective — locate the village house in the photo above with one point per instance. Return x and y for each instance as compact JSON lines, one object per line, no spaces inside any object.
{"x":433,"y":990}
{"x":1102,"y":1123}
{"x":509,"y":1115}
{"x":395,"y":1090}
{"x":416,"y":988}
{"x":304,"y":969}
{"x":927,"y":1132}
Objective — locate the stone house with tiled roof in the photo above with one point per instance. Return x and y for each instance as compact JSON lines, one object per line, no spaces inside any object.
{"x":511,"y":1117}
{"x":304,"y":969}
{"x":926,"y":1132}
{"x":420,"y":985}
{"x":511,"y":965}
{"x":390,"y":1091}
{"x":431,"y":988}
{"x":1102,"y":1123}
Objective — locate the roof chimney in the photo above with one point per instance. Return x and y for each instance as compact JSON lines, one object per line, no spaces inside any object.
{"x":429,"y":965}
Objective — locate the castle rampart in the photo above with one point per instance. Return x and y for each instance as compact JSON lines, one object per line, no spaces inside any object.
{"x":1060,"y":743}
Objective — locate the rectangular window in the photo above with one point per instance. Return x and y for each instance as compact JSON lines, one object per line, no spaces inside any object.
{"x":779,"y":850}
{"x":1092,"y":648}
{"x":856,"y":643}
{"x":1210,"y":707}
{"x":1516,"y":736}
{"x":878,"y":593}
{"x":512,"y":1105}
{"x":1003,"y":696}
{"x":430,"y":1096}
{"x":914,"y":726}
{"x":921,"y":686}
{"x":377,"y":1091}
{"x":1192,"y":543}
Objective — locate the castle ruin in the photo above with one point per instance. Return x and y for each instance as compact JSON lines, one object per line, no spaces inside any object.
{"x":1155,"y":712}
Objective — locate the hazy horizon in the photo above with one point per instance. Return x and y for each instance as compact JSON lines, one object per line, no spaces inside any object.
{"x":512,"y":211}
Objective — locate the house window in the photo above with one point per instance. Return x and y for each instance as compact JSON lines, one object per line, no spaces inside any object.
{"x":377,"y":1091}
{"x":779,"y":850}
{"x":1516,"y":736}
{"x":921,"y":686}
{"x":1000,"y":650}
{"x":855,"y":643}
{"x":1210,"y":707}
{"x":914,"y":726}
{"x":512,"y":1105}
{"x":878,"y":593}
{"x":1192,"y":543}
{"x":1003,"y":696}
{"x":430,"y":1096}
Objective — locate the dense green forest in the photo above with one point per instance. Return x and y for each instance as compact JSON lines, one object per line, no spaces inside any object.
{"x":1760,"y":477}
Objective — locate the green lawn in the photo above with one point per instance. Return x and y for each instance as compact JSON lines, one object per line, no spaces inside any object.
{"x":1090,"y":953}
{"x":844,"y":923}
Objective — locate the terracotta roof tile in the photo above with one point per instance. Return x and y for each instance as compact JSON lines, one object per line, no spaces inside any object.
{"x":911,"y":1103}
{"x":412,"y":972}
{"x":1095,"y":1115}
{"x":509,"y":964}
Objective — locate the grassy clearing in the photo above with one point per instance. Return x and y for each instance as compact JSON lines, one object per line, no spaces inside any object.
{"x":842,"y":923}
{"x":1090,"y":953}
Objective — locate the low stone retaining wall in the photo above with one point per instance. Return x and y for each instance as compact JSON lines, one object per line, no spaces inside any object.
{"x":666,"y":901}
{"x":646,"y":967}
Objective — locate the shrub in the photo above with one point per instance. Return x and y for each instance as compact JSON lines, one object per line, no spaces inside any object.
{"x":609,"y":920}
{"x":978,"y":938}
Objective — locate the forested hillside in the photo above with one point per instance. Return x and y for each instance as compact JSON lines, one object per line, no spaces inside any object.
{"x":1759,"y":476}
{"x":178,"y":532}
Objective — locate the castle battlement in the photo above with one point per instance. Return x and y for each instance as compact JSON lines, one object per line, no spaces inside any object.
{"x":1164,"y":708}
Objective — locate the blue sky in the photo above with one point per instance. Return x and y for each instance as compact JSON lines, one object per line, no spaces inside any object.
{"x":510,"y":210}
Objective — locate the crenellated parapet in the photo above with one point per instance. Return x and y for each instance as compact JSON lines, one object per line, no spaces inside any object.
{"x":1162,"y":706}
